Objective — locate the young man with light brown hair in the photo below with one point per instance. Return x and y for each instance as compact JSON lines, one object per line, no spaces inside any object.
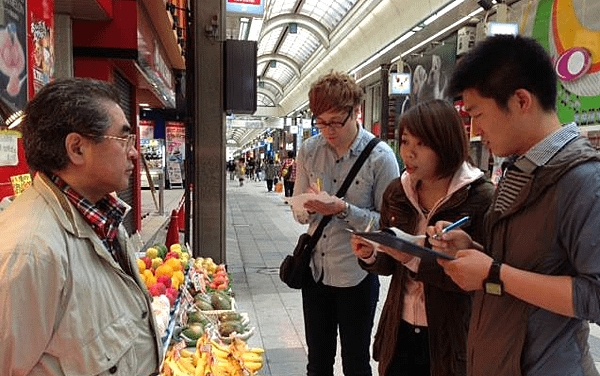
{"x":341,"y":295}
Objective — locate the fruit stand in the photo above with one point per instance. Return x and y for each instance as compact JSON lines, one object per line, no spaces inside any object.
{"x":201,"y":330}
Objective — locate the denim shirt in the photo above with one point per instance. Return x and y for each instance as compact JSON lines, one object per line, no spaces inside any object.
{"x":333,"y":261}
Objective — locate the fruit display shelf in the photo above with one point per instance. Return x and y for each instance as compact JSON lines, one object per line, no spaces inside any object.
{"x":174,"y":318}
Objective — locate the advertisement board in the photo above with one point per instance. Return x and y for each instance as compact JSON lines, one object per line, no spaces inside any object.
{"x":569,"y":30}
{"x":253,"y":8}
{"x":13,"y":53}
{"x":40,"y":41}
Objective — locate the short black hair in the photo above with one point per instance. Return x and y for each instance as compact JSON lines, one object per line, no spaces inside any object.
{"x":501,"y":64}
{"x":62,"y":107}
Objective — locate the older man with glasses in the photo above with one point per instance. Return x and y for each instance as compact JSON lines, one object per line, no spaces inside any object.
{"x":71,"y":296}
{"x":341,"y":295}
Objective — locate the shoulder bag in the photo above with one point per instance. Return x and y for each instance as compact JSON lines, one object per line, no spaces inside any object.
{"x":294,"y":271}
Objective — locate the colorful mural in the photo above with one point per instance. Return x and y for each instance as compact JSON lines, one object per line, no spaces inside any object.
{"x":570,"y":31}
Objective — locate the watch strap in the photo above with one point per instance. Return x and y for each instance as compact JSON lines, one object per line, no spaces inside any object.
{"x":493,"y":284}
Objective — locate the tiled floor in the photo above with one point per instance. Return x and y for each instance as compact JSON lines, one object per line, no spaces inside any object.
{"x":260,"y":233}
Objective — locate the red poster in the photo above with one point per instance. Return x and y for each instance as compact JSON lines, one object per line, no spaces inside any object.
{"x":40,"y":36}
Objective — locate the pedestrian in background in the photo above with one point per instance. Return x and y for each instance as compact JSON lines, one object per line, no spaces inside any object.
{"x":288,"y":173}
{"x":424,"y":322}
{"x":536,"y":277}
{"x":240,"y":171}
{"x":72,"y":299}
{"x":340,"y":296}
{"x":271,"y":172}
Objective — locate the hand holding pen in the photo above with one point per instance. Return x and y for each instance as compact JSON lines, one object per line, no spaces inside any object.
{"x":451,"y":227}
{"x":442,"y":240}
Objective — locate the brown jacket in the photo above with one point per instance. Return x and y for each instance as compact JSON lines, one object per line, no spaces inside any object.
{"x":447,"y":306}
{"x":509,"y":337}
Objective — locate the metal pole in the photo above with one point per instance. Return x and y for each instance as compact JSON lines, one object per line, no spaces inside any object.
{"x":385,"y":101}
{"x":161,"y":193}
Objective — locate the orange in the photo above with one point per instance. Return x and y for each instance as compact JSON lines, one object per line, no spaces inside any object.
{"x":141,"y":265}
{"x":174,"y":263}
{"x":164,"y":269}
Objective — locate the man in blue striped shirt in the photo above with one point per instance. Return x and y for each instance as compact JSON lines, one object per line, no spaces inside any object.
{"x":536,"y":280}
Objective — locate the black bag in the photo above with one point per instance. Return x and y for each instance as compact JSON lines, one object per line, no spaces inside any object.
{"x":294,"y":271}
{"x":295,"y":268}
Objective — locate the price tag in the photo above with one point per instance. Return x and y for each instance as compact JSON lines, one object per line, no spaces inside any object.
{"x":187,"y":300}
{"x":20,"y":183}
{"x":183,"y":316}
{"x":177,"y":349}
{"x":197,"y":281}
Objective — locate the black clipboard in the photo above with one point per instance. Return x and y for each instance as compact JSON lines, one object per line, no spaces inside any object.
{"x":405,"y":246}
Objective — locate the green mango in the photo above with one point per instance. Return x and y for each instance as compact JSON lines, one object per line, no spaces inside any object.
{"x":196,"y":316}
{"x":203,"y":306}
{"x":226,"y":328}
{"x":194,"y":331}
{"x":220,"y":301}
{"x":230,"y":316}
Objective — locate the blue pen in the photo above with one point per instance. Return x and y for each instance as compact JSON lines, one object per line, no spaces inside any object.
{"x":452,"y":226}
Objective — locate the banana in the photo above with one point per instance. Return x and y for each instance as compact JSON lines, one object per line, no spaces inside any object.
{"x":219,"y":346}
{"x":256,"y":350}
{"x":186,"y":353}
{"x":251,"y":357}
{"x":199,"y":371}
{"x":177,"y":371}
{"x":253,"y":366}
{"x":186,"y":365}
{"x":220,"y":353}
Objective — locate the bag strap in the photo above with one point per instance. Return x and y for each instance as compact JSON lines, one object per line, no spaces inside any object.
{"x":345,"y":185}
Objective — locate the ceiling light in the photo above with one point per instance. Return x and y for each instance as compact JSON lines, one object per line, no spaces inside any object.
{"x":368,"y":75}
{"x":144,"y":105}
{"x":443,"y":31}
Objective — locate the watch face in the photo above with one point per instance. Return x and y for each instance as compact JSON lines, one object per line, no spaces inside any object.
{"x":493,"y":288}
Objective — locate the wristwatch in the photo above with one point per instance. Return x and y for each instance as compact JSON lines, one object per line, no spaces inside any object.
{"x":344,"y":213}
{"x":493,"y":284}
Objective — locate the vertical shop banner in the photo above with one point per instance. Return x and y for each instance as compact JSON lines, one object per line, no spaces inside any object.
{"x":13,"y":60}
{"x":175,"y":153}
{"x":175,"y":141}
{"x":40,"y":43}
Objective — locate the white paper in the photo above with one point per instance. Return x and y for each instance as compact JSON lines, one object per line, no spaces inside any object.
{"x":8,"y":150}
{"x":297,"y":203}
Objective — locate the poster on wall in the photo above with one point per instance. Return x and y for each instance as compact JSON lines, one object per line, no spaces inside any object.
{"x":431,"y":71}
{"x":146,"y":129}
{"x":40,"y":44}
{"x":13,"y":60}
{"x":570,"y":31}
{"x":175,"y":141}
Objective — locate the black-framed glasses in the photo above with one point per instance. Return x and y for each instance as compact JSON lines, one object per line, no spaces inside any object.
{"x":129,"y":141}
{"x":321,"y":125}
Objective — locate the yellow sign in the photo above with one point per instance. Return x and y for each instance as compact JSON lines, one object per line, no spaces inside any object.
{"x":20,"y":183}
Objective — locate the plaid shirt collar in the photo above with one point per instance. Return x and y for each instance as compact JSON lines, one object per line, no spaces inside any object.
{"x":104,"y":217}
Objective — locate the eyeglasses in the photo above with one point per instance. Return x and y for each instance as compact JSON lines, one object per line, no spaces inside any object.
{"x":321,"y":125}
{"x":129,"y":141}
